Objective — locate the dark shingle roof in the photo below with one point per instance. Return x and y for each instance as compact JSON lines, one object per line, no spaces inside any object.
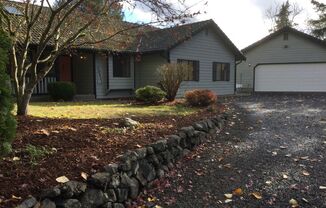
{"x":281,"y":31}
{"x":139,"y":39}
{"x":165,"y":39}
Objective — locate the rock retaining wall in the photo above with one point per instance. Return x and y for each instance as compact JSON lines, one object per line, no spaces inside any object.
{"x":123,"y":182}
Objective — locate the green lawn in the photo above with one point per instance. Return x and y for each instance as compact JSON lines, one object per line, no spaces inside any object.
{"x":102,"y":109}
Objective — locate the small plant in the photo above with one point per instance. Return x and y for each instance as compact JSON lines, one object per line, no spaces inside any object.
{"x":62,"y":91}
{"x":171,"y":76}
{"x":200,"y":98}
{"x":36,"y":153}
{"x":150,"y":94}
{"x":106,"y":130}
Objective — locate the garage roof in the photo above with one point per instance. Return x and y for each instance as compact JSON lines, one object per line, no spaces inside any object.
{"x":283,"y":30}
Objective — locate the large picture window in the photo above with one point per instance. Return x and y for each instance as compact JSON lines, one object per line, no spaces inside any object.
{"x":221,"y":71}
{"x":121,"y":66}
{"x":193,"y":73}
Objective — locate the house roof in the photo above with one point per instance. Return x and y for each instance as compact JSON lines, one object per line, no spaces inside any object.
{"x":168,"y":38}
{"x":138,"y":39}
{"x":281,"y":31}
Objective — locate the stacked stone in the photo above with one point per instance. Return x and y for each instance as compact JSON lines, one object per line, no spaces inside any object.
{"x":121,"y":183}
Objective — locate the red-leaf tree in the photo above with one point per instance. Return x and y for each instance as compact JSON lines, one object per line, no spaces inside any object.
{"x":66,"y":25}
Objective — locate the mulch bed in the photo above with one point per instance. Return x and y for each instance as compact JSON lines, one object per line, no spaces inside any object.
{"x":78,"y":146}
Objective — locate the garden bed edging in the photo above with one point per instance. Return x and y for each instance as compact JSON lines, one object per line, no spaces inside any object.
{"x":123,"y":181}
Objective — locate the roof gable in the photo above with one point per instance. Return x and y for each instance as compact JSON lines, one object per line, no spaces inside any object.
{"x":166,"y":39}
{"x":281,"y":31}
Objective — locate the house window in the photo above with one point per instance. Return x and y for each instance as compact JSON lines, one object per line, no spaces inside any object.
{"x":193,"y":72}
{"x":221,"y":71}
{"x":286,"y":36}
{"x":121,"y":66}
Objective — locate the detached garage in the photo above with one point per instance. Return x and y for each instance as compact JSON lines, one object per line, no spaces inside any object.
{"x":285,"y":61}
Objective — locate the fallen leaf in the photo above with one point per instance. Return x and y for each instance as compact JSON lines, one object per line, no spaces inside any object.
{"x":305,"y":200}
{"x":257,"y":195}
{"x":228,"y":196}
{"x":151,"y":199}
{"x":16,"y":197}
{"x":15,"y":159}
{"x":305,"y":173}
{"x":294,"y":203}
{"x":84,"y":175}
{"x":45,"y":132}
{"x":238,"y":192}
{"x":55,"y":132}
{"x":228,"y":201}
{"x":268,"y":182}
{"x":304,"y":158}
{"x":180,"y":189}
{"x":62,"y":179}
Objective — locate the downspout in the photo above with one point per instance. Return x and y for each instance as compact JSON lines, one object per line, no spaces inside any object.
{"x":94,"y":74}
{"x":235,"y":74}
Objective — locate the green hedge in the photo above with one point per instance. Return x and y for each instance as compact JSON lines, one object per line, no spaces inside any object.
{"x":7,"y":120}
{"x":150,"y":94}
{"x":62,"y":91}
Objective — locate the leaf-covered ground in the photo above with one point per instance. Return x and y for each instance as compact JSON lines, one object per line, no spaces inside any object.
{"x":271,"y":154}
{"x":75,"y":147}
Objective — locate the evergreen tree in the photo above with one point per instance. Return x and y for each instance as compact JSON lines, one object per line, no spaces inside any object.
{"x":318,"y":26}
{"x":283,"y":15}
{"x":7,"y":120}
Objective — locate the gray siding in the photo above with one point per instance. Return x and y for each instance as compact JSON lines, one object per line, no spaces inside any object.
{"x":83,"y":75}
{"x":146,"y":69}
{"x":206,"y":48}
{"x":121,"y":83}
{"x":273,"y":51}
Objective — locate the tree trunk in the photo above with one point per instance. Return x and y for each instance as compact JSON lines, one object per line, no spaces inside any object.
{"x":22,"y":103}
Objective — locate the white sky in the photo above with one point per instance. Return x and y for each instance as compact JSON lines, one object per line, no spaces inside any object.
{"x":242,"y":20}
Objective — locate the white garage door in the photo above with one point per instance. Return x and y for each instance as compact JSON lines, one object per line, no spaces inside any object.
{"x":291,"y":78}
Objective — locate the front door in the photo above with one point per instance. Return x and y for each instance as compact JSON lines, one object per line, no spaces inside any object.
{"x":64,"y":68}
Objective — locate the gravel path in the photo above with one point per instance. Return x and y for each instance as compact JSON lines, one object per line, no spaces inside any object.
{"x":274,"y":146}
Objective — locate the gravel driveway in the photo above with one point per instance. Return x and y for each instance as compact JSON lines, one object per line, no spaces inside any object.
{"x":274,"y":147}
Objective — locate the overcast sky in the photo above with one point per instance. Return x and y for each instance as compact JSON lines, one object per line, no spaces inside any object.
{"x":242,"y":20}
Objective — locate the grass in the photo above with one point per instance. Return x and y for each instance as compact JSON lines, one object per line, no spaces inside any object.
{"x":102,"y":109}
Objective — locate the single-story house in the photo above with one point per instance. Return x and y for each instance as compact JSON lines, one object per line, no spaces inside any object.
{"x":285,"y":61}
{"x":103,"y":71}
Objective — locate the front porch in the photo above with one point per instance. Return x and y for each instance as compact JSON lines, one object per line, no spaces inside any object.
{"x":96,"y":75}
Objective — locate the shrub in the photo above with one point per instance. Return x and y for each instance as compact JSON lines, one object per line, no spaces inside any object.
{"x":171,"y":76}
{"x":62,"y":91}
{"x":150,"y":94}
{"x":7,"y":120}
{"x":200,"y":98}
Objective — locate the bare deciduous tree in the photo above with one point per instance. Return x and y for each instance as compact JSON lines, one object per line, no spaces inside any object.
{"x":171,"y":76}
{"x":282,"y":15}
{"x":68,"y":25}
